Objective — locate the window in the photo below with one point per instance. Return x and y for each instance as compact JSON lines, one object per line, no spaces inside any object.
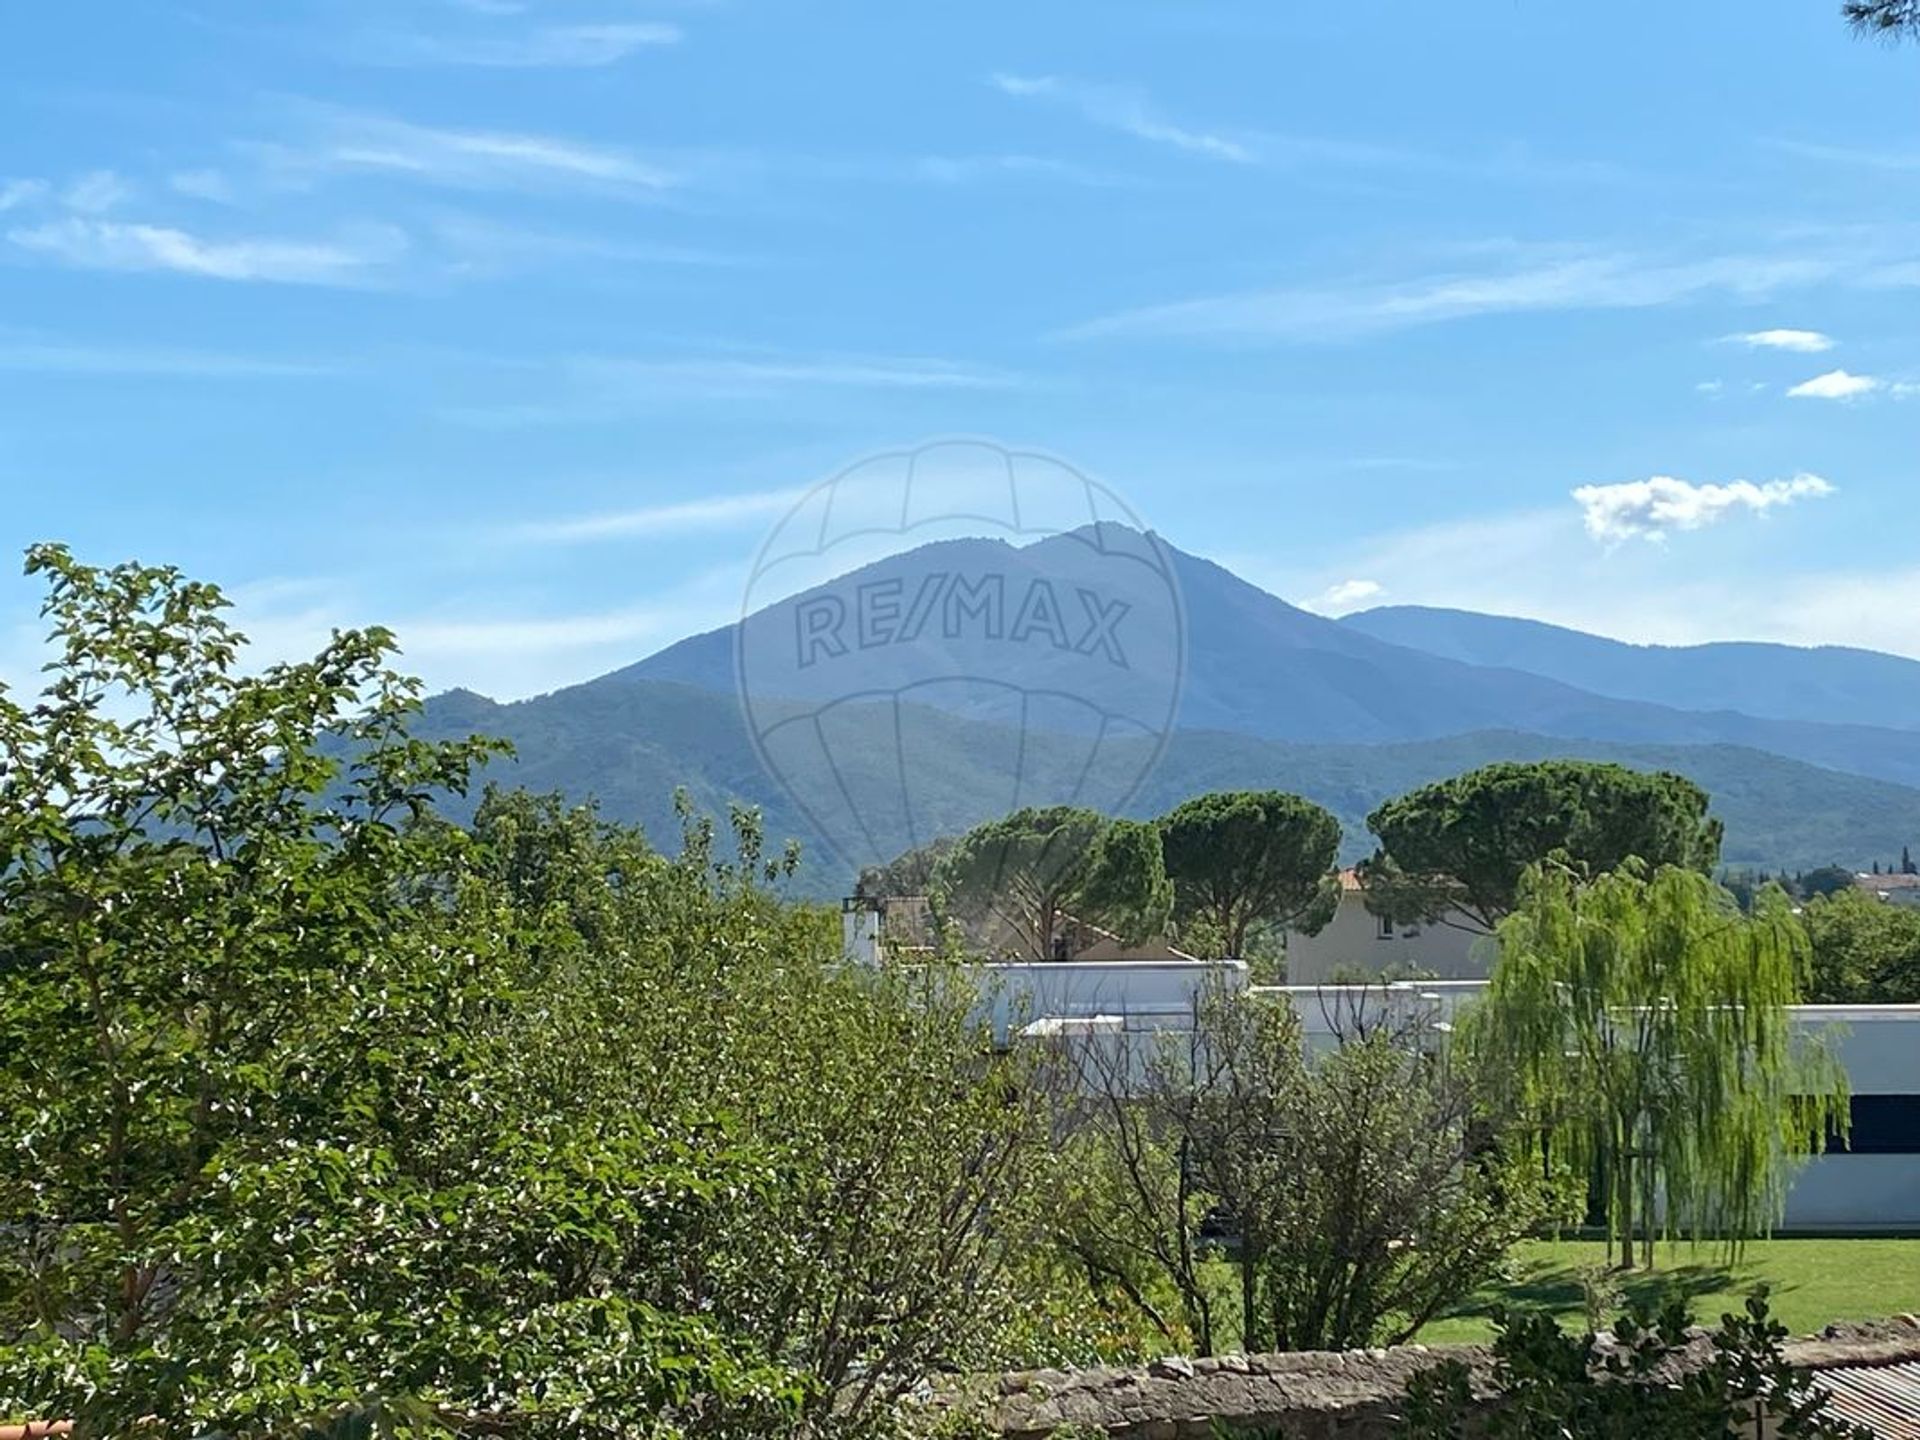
{"x":1882,"y":1125}
{"x":1385,"y":931}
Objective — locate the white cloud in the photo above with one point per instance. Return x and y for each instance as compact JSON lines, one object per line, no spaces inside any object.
{"x":1650,"y":509}
{"x":109,"y":245}
{"x":1124,"y":110}
{"x":718,"y":512}
{"x":463,"y":159}
{"x":1836,"y":385}
{"x":95,"y":193}
{"x":1347,"y":594}
{"x":550,"y":47}
{"x":1711,"y":387}
{"x":1805,"y":342}
{"x":1535,"y":564}
{"x":1537,"y":283}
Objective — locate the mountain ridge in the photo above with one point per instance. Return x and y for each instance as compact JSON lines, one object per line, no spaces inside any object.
{"x":1763,"y":679}
{"x":1260,"y":666}
{"x":630,"y":746}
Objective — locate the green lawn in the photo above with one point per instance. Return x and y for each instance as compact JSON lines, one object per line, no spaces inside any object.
{"x":1811,"y":1282}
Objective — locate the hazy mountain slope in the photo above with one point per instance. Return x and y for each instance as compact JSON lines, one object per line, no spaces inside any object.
{"x":1783,"y":682}
{"x":630,"y":744}
{"x":1258,"y":666}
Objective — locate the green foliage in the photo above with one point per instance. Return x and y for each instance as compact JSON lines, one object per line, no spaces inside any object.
{"x":1644,"y":1381}
{"x":1825,"y":880}
{"x":1641,"y":1021}
{"x":327,"y":1117}
{"x":630,"y":745}
{"x":1029,"y":870}
{"x":1360,"y":1192}
{"x":1865,"y":951}
{"x":265,"y":1175}
{"x":1241,"y":860}
{"x":1883,"y":19}
{"x":1464,"y":843}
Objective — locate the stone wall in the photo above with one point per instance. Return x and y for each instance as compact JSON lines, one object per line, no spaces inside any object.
{"x":1355,"y":1395}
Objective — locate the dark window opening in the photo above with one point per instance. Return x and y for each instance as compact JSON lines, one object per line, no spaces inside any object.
{"x":1882,"y":1125}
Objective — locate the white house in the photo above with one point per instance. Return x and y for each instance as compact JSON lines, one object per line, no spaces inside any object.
{"x":1891,"y":889}
{"x":1357,"y":945}
{"x":1872,"y":1186}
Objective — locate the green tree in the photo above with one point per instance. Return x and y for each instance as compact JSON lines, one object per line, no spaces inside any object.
{"x":327,"y":1116}
{"x":905,"y":1165}
{"x":1865,"y":951}
{"x":1827,"y":880}
{"x":1883,"y":19}
{"x":1361,"y":1192}
{"x":1641,"y":1020}
{"x":1036,"y":867}
{"x":1461,"y":846}
{"x":1242,"y":860}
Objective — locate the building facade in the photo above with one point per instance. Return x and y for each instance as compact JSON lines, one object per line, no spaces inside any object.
{"x":1357,"y":945}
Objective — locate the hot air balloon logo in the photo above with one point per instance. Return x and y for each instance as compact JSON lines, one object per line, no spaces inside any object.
{"x":940,"y":634}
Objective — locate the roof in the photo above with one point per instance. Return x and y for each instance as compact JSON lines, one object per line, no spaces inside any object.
{"x":1884,"y":1398}
{"x":1887,"y":882}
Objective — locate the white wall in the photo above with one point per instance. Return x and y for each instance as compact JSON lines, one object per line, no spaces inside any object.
{"x":1355,"y":943}
{"x":1103,"y":1002}
{"x":1879,"y":1045}
{"x":1150,"y":994}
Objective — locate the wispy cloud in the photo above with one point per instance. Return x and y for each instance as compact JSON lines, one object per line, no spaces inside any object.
{"x":44,"y":357}
{"x":347,"y":142}
{"x":1805,"y":342}
{"x":1347,"y":594}
{"x":594,"y":387}
{"x":1579,"y":281}
{"x":968,"y":169}
{"x":546,"y":47}
{"x":1653,"y":508}
{"x":1126,"y":110}
{"x":1535,"y":563}
{"x":719,"y":512}
{"x":208,"y":185}
{"x":1865,"y":157}
{"x":95,"y":193}
{"x":16,"y":193}
{"x":1836,"y":385}
{"x":867,"y":372}
{"x":473,"y":245}
{"x":351,"y":259}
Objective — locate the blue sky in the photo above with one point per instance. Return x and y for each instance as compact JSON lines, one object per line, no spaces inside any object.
{"x":512,"y":325}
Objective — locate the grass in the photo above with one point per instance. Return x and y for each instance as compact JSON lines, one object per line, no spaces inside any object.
{"x":1810,"y":1283}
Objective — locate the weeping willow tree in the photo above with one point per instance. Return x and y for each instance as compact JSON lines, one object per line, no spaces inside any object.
{"x":1639,"y":1022}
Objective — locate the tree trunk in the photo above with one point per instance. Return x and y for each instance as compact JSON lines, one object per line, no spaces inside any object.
{"x":1623,"y":1207}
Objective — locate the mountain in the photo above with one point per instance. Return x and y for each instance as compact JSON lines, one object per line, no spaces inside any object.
{"x":630,"y":744}
{"x":1047,"y":672}
{"x":1253,"y":665}
{"x":1782,"y":682}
